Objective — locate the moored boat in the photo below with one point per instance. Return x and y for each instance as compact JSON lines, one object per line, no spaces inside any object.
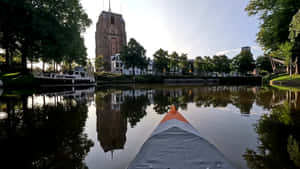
{"x":76,"y":77}
{"x":176,"y":144}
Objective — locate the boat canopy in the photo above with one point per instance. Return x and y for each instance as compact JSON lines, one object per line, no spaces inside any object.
{"x":175,"y":144}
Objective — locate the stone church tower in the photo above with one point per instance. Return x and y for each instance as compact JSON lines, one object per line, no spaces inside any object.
{"x":110,"y":36}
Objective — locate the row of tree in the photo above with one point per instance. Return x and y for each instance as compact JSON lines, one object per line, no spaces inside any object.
{"x":133,"y":56}
{"x":43,"y":30}
{"x":242,"y":63}
{"x":279,"y":31}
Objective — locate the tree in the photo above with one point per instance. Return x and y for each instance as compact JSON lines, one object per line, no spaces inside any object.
{"x":45,"y":29}
{"x":133,"y":56}
{"x":99,"y":63}
{"x":295,"y":39}
{"x":174,"y":62}
{"x":221,"y":64}
{"x":208,"y":64}
{"x":243,"y":62}
{"x":279,"y":25}
{"x":199,"y":65}
{"x":295,"y":27}
{"x":89,"y":67}
{"x":276,"y":16}
{"x":161,"y":60}
{"x":263,"y":63}
{"x":285,"y":52}
{"x":183,"y":63}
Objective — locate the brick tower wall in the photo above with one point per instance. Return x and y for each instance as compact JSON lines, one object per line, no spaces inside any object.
{"x":110,"y":36}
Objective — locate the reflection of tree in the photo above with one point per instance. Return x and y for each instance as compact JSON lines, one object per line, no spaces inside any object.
{"x":45,"y":137}
{"x":134,"y":108}
{"x":244,"y":99}
{"x":161,"y":102}
{"x":279,"y":137}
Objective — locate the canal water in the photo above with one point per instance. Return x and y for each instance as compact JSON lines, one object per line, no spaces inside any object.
{"x":104,"y":128}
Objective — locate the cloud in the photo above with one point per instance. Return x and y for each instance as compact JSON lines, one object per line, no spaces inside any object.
{"x":256,"y":50}
{"x":228,"y":52}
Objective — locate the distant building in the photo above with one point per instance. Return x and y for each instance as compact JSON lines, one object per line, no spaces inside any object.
{"x":117,"y":66}
{"x":246,"y":48}
{"x":110,"y":36}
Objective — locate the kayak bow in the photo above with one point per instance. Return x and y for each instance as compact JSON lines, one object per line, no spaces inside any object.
{"x":175,"y":144}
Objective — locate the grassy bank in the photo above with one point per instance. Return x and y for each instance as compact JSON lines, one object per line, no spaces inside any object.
{"x":286,"y":81}
{"x":287,"y":78}
{"x":110,"y":78}
{"x":18,"y":79}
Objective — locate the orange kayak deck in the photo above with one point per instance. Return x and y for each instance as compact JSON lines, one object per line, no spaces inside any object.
{"x":173,"y":114}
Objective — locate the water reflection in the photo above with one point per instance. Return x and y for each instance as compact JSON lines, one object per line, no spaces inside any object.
{"x":46,"y":135}
{"x":278,"y":134}
{"x":276,"y":129}
{"x":45,"y":128}
{"x":111,"y":123}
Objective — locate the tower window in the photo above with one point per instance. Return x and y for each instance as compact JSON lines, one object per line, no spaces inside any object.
{"x":112,"y":20}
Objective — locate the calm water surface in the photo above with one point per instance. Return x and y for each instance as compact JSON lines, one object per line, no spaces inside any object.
{"x":104,"y":128}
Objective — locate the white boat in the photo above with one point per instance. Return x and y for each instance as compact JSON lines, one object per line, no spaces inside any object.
{"x":76,"y":77}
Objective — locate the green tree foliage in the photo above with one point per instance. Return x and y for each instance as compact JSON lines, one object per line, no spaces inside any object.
{"x":199,"y":65}
{"x":285,"y":53}
{"x":133,"y":56}
{"x":295,"y":27}
{"x":174,"y":62}
{"x":208,"y":64}
{"x":183,"y":63}
{"x":295,"y":39}
{"x":243,"y":62}
{"x":263,"y":63}
{"x":99,"y":63}
{"x":221,"y":64}
{"x":276,"y":16}
{"x":44,"y":29}
{"x":161,"y":60}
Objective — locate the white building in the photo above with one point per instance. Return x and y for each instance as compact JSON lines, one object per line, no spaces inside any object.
{"x":117,"y":66}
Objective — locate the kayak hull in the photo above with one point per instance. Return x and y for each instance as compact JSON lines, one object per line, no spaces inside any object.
{"x":175,"y":144}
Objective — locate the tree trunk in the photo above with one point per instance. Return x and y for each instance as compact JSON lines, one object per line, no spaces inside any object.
{"x":296,"y":65}
{"x":272,"y":64}
{"x":291,"y":67}
{"x":24,"y":58}
{"x":31,"y":66}
{"x":7,"y":58}
{"x":133,"y":71}
{"x":43,"y":67}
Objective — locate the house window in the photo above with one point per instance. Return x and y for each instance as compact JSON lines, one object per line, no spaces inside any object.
{"x":112,"y":20}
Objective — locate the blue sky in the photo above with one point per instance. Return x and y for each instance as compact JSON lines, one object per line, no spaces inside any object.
{"x":196,"y":27}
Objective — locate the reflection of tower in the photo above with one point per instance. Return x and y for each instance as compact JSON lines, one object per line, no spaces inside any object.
{"x":110,"y":36}
{"x":111,"y":125}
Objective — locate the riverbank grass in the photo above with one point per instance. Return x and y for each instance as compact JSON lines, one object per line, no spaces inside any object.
{"x":18,"y":79}
{"x":287,"y":78}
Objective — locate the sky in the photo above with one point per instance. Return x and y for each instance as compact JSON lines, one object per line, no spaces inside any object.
{"x":195,"y":27}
